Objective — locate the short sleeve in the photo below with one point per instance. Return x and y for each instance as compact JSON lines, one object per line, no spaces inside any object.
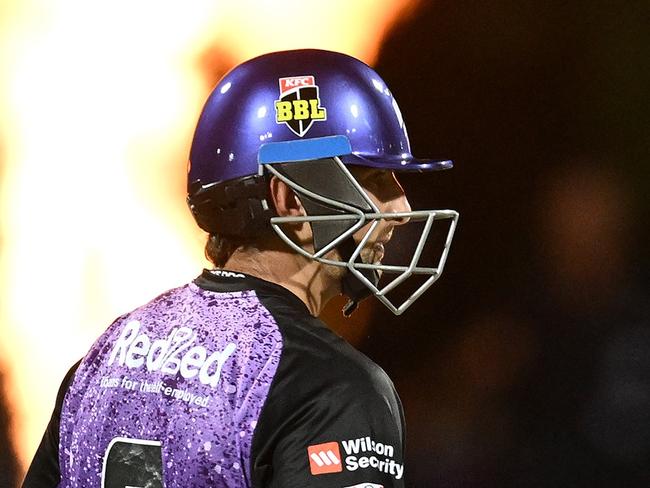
{"x":329,"y":424}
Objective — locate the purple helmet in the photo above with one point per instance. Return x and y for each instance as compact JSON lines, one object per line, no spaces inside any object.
{"x":303,"y":116}
{"x":300,"y":105}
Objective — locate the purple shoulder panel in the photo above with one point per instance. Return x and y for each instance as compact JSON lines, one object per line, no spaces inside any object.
{"x":171,"y":392}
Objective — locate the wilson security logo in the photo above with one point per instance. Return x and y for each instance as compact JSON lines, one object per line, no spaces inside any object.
{"x":299,"y":104}
{"x":361,"y":453}
{"x":325,"y":458}
{"x":176,"y":353}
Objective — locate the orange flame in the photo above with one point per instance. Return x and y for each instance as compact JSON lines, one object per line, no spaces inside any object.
{"x":98,"y":105}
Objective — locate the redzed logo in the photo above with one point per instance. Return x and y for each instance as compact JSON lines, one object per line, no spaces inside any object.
{"x":325,"y":458}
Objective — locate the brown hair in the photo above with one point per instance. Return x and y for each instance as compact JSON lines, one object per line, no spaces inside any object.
{"x":218,"y":248}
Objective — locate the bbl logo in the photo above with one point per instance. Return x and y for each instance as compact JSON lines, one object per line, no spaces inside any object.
{"x":299,"y":105}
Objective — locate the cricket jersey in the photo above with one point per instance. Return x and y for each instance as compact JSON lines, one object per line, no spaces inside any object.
{"x":227,"y":381}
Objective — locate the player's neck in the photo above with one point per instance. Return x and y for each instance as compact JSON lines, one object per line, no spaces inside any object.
{"x":305,"y":278}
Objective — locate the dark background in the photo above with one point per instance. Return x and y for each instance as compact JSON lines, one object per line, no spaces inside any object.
{"x":528,"y":363}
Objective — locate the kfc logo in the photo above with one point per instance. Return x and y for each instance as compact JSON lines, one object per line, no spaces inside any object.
{"x":287,"y":84}
{"x":299,"y":104}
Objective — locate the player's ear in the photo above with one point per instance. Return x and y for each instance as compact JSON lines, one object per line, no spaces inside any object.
{"x":284,"y":199}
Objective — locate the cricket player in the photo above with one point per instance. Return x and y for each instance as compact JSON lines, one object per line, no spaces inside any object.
{"x":232,"y":380}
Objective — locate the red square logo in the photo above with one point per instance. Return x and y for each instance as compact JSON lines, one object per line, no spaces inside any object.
{"x":325,"y":458}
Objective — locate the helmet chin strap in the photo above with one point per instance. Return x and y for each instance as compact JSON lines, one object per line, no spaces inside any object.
{"x":351,"y":286}
{"x":355,"y":290}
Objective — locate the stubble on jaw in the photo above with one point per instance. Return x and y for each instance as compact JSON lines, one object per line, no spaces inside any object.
{"x":370,"y":254}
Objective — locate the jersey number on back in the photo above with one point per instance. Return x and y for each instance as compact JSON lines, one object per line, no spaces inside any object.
{"x":132,"y":463}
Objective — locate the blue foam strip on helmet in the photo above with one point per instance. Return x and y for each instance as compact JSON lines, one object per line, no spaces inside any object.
{"x":304,"y":149}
